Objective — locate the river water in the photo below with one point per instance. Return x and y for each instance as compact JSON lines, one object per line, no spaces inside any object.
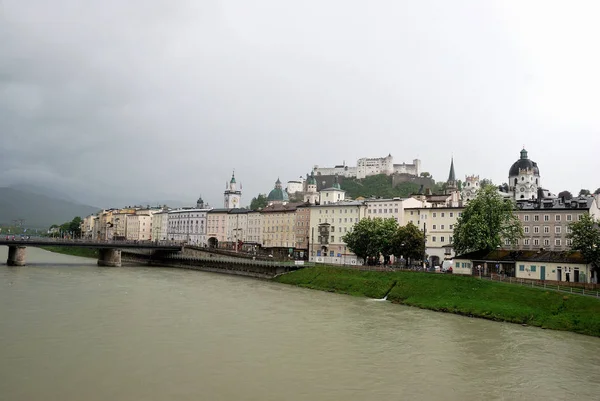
{"x":73,"y":331}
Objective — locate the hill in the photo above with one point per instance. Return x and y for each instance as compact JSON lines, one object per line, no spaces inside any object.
{"x":38,"y":211}
{"x":377,"y":186}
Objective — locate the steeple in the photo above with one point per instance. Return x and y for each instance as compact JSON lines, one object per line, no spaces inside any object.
{"x":232,"y":178}
{"x":452,"y":176}
{"x":523,"y":153}
{"x":336,"y":183}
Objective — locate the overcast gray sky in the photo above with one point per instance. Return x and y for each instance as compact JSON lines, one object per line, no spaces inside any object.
{"x":157,"y":99}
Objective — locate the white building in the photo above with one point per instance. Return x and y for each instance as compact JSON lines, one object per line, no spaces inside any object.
{"x":524,"y":178}
{"x":311,"y":195}
{"x":332,"y":195}
{"x":160,"y":224}
{"x":371,"y":166}
{"x":139,"y":226}
{"x":328,"y":224}
{"x":188,"y":225}
{"x":470,"y":188}
{"x":295,"y":186}
{"x":392,"y":208}
{"x":237,"y":226}
{"x":254,"y":231}
{"x":232,"y":196}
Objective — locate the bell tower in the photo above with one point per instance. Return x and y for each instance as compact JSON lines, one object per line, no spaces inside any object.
{"x":232,"y":196}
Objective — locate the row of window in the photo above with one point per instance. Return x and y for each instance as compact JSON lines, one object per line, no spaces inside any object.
{"x":434,"y":227}
{"x":346,"y":220}
{"x":382,"y":211}
{"x":536,"y":242}
{"x":442,"y":239}
{"x":557,"y":217}
{"x":536,"y":230}
{"x":345,"y":211}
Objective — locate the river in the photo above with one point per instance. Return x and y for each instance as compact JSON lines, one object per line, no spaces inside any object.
{"x":73,"y":331}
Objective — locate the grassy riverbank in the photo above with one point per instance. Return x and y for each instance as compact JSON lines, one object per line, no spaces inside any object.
{"x":459,"y":294}
{"x":74,"y":251}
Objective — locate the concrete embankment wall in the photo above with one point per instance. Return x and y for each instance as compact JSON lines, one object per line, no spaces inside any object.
{"x":216,"y":265}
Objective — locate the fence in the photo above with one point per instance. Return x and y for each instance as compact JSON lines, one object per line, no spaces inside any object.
{"x":553,"y":285}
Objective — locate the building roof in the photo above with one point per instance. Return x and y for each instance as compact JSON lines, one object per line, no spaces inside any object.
{"x":541,"y":255}
{"x":523,"y":163}
{"x":277,"y":194}
{"x":232,"y":178}
{"x":219,"y":210}
{"x":278,"y":207}
{"x":342,"y":203}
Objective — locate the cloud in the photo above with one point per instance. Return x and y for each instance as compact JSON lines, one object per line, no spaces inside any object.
{"x":162,"y":100}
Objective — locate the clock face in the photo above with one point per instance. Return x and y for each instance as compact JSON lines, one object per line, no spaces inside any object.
{"x":234,"y":201}
{"x":522,"y":189}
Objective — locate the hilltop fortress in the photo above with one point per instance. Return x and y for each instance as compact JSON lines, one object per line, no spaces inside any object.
{"x":371,"y":166}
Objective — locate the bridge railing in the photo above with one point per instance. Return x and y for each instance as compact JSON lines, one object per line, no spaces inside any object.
{"x":59,"y":241}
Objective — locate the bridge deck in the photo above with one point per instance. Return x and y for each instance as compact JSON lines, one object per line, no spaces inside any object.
{"x":161,"y":246}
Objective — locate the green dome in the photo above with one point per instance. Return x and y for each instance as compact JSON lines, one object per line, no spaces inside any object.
{"x":312,"y":180}
{"x":278,"y":194}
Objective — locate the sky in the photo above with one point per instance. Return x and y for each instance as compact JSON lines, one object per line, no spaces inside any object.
{"x":118,"y":102}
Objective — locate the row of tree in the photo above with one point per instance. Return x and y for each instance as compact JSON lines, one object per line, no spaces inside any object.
{"x":72,"y":228}
{"x":372,"y":238}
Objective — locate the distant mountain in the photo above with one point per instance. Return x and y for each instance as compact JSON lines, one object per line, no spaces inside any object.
{"x":38,"y":211}
{"x":39,"y":190}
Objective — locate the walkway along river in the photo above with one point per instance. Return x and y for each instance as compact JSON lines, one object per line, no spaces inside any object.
{"x":74,"y":331}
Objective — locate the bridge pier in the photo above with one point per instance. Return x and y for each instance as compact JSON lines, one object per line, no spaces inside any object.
{"x":109,"y":257}
{"x":16,"y":256}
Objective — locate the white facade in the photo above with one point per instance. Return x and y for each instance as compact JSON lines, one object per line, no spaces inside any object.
{"x":87,"y":229}
{"x":295,"y":186}
{"x":524,"y":178}
{"x":392,"y":208}
{"x":139,"y":226}
{"x":232,"y":197}
{"x":188,"y":225}
{"x":254,"y":231}
{"x":331,"y":195}
{"x":371,"y":166}
{"x":160,"y":224}
{"x":237,"y":226}
{"x":328,"y":225}
{"x":470,"y":188}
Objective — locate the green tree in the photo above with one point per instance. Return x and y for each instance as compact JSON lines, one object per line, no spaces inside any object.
{"x":565,"y":194}
{"x":259,"y":202}
{"x":386,"y":232}
{"x":585,"y":237}
{"x":597,"y":191}
{"x":362,"y":239}
{"x":486,"y":222}
{"x":425,"y":174}
{"x":409,"y":242}
{"x":485,"y":182}
{"x":75,"y":226}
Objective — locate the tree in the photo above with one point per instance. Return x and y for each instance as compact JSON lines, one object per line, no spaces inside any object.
{"x":363,"y":239}
{"x":409,"y":242}
{"x":486,"y":182}
{"x":585,"y":237}
{"x":386,"y":232}
{"x":425,"y":174}
{"x":487,"y":220}
{"x":597,"y":191}
{"x":584,"y":192}
{"x":75,"y":226}
{"x":566,"y":195}
{"x":259,"y":202}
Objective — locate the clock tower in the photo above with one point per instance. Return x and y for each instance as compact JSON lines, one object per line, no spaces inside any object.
{"x":232,"y":196}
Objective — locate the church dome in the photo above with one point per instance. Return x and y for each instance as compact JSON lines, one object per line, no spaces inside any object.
{"x":278,"y":194}
{"x":523,"y":163}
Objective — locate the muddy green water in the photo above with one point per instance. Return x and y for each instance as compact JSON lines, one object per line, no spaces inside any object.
{"x":73,"y":331}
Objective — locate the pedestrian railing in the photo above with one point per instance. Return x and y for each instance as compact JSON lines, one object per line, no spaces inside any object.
{"x":552,"y":286}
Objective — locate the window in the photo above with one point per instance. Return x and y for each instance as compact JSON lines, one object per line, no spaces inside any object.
{"x":546,"y":242}
{"x":526,"y":241}
{"x":533,"y":268}
{"x":557,"y":217}
{"x":546,"y":217}
{"x":434,"y":227}
{"x":536,"y":230}
{"x":526,"y":217}
{"x":569,"y":242}
{"x":432,"y":239}
{"x":536,"y":218}
{"x":557,"y":230}
{"x":536,"y":242}
{"x":332,"y":238}
{"x":546,"y":229}
{"x":506,"y":242}
{"x":442,"y":214}
{"x":521,"y":268}
{"x":450,"y":239}
{"x":452,"y":214}
{"x":441,"y":239}
{"x":569,"y":231}
{"x":579,"y":217}
{"x":569,"y":217}
{"x":526,"y":229}
{"x":557,"y":242}
{"x":442,"y":226}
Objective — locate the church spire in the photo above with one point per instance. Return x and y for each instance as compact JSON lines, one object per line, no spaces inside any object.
{"x":452,"y":176}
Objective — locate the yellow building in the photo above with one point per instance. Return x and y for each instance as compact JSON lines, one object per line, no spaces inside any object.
{"x":278,"y":224}
{"x":328,"y":224}
{"x":438,"y":224}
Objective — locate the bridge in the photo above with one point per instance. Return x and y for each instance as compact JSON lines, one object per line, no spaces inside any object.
{"x":109,"y":252}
